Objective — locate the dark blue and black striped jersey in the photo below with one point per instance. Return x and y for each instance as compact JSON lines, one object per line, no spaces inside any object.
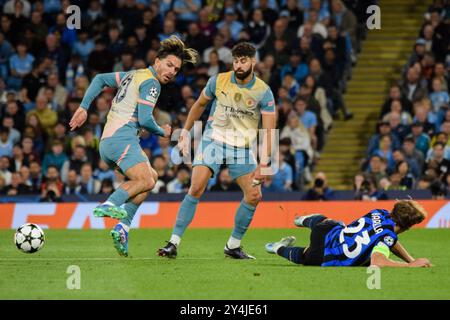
{"x":352,"y":245}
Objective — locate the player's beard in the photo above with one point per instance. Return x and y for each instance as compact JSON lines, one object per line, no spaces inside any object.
{"x":243,"y":76}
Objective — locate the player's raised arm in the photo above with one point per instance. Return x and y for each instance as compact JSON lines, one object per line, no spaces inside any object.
{"x":195,"y":113}
{"x":199,"y":106}
{"x":148,"y":95}
{"x":96,"y":86}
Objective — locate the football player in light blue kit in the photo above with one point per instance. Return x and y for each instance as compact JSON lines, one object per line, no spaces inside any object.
{"x":131,"y":110}
{"x":240,"y":102}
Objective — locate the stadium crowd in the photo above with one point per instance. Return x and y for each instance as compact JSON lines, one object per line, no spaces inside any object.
{"x":305,"y":52}
{"x":306,"y":49}
{"x":411,"y":148}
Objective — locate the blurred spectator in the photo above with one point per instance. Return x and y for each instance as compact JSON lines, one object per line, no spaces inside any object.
{"x":47,"y":117}
{"x":301,"y":142}
{"x":17,"y":187}
{"x":218,"y":45}
{"x":283,"y":178}
{"x":422,"y":140}
{"x":107,"y":187}
{"x":230,"y":22}
{"x":4,"y":169}
{"x":52,"y":188}
{"x":181,"y":181}
{"x":35,"y":176}
{"x":308,"y":119}
{"x":72,"y":185}
{"x":320,"y":189}
{"x":224,"y":182}
{"x":100,"y":60}
{"x":385,"y":151}
{"x":377,"y":168}
{"x":6,"y":145}
{"x":56,"y":157}
{"x":438,"y":161}
{"x":397,"y":108}
{"x":412,"y":155}
{"x":368,"y":190}
{"x":18,"y":159}
{"x":215,"y":64}
{"x":396,"y":94}
{"x":406,"y":178}
{"x":89,"y":185}
{"x":258,"y":29}
{"x":83,"y":46}
{"x":104,"y":172}
{"x":20,"y":65}
{"x":14,"y":135}
{"x":411,"y":86}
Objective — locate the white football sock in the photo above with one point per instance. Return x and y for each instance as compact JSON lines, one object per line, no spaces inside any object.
{"x":175,"y":240}
{"x":233,"y":243}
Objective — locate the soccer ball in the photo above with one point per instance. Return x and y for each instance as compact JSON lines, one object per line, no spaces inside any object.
{"x":29,"y":238}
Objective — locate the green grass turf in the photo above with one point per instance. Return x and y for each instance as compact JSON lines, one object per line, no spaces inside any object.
{"x":202,"y":272}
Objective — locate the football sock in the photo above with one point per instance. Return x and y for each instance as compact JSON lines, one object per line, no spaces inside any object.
{"x":185,"y":215}
{"x":233,"y":243}
{"x":175,"y":240}
{"x":118,"y":197}
{"x":131,"y":209}
{"x":242,"y":219}
{"x":312,"y":220}
{"x":293,"y":254}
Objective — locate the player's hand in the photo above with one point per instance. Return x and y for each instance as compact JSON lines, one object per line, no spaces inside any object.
{"x":258,"y":177}
{"x":167,"y":130}
{"x":420,"y":263}
{"x":183,"y":144}
{"x":78,"y":118}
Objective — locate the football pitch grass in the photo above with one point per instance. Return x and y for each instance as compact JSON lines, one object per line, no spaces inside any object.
{"x":201,"y":271}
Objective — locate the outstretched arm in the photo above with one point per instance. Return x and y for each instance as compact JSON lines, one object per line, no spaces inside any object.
{"x":380,"y":258}
{"x":100,"y":81}
{"x":401,"y":252}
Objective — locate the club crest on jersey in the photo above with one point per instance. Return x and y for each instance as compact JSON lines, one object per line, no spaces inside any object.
{"x":237,"y":97}
{"x":250,"y":103}
{"x":389,"y":241}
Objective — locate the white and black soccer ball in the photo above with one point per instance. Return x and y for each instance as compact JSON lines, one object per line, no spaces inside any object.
{"x":29,"y":238}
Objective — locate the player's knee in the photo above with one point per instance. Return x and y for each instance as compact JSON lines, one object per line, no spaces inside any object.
{"x":253,"y":197}
{"x":196,"y":190}
{"x":147,"y":184}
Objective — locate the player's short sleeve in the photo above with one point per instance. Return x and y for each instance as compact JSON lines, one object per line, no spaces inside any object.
{"x":149,"y":91}
{"x":210,"y":88}
{"x":267,"y":103}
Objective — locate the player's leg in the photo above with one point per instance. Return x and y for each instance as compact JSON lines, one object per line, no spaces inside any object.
{"x":199,"y":181}
{"x":134,"y":163}
{"x":309,"y":221}
{"x":244,"y":215}
{"x":120,"y":232}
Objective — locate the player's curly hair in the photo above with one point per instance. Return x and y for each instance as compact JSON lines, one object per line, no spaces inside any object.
{"x":175,"y":46}
{"x":407,"y":213}
{"x":243,"y":49}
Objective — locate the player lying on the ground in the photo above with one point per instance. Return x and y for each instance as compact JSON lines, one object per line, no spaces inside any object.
{"x":131,"y":110}
{"x":368,"y":240}
{"x":240,"y":100}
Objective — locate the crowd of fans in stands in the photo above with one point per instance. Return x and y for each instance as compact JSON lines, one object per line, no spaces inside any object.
{"x":411,"y":149}
{"x":306,"y":49}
